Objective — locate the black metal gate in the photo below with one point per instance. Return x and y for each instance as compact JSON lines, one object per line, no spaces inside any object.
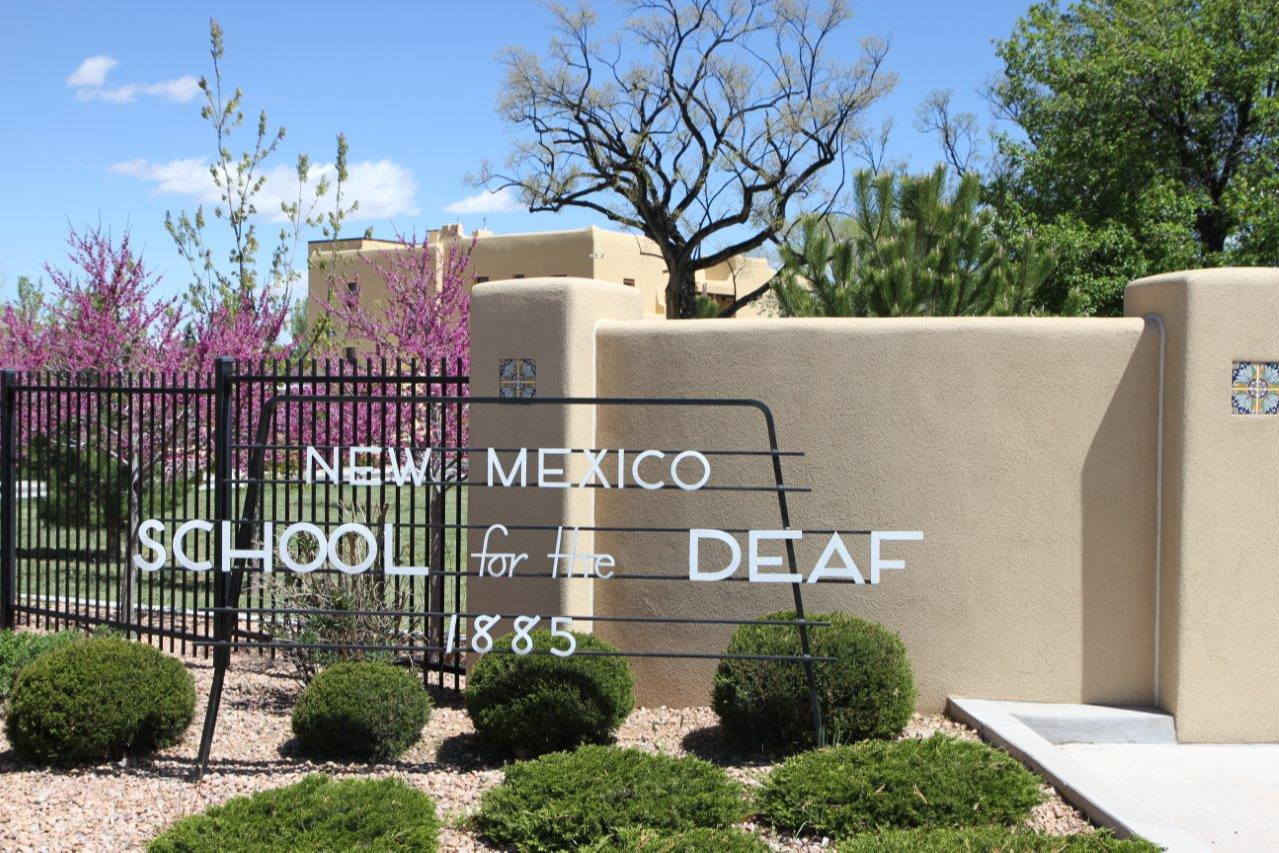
{"x":85,"y":459}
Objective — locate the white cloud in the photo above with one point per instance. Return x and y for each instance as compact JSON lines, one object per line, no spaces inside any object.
{"x":176,"y":177}
{"x":504,"y":200}
{"x":90,"y":82}
{"x":92,"y":72}
{"x":384,"y":189}
{"x":180,"y":90}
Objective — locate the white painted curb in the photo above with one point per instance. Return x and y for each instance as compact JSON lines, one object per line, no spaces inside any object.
{"x":1078,"y":785}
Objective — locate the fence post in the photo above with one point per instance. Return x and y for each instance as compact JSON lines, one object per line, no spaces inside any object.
{"x":435,"y":559}
{"x":8,"y":498}
{"x":222,"y":368}
{"x":223,"y":622}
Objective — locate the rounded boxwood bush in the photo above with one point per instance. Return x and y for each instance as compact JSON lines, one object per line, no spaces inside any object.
{"x":19,"y":648}
{"x":987,"y":839}
{"x":690,"y":841}
{"x":528,"y":705}
{"x":567,"y":800}
{"x":316,"y":814}
{"x":361,"y":710}
{"x":100,"y":699}
{"x":866,"y":692}
{"x":877,"y":785}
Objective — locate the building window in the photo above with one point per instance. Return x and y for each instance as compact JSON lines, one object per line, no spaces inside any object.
{"x":518,"y":275}
{"x":480,"y":279}
{"x":629,"y":282}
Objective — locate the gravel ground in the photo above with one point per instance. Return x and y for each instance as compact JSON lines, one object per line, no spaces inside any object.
{"x":121,"y":806}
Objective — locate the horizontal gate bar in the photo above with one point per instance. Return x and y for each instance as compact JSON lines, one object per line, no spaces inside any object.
{"x":276,"y":481}
{"x":371,"y":647}
{"x":674,"y":620}
{"x":477,"y":448}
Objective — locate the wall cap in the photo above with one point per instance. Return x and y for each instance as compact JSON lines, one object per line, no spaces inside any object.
{"x":1215,"y":276}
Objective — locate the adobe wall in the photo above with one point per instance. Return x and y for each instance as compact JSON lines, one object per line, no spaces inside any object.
{"x":1024,"y":449}
{"x":1095,"y":512}
{"x":1219,"y":649}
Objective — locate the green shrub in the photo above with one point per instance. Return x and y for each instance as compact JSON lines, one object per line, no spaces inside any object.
{"x":315,"y":814}
{"x":877,"y":785}
{"x":99,"y":699}
{"x":566,"y":800}
{"x":361,"y":710}
{"x":690,"y":841}
{"x":867,"y":692}
{"x":991,"y":839}
{"x":528,"y":705}
{"x":17,"y":649}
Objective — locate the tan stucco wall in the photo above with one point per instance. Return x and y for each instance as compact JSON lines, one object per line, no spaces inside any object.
{"x":1095,"y":516}
{"x":551,"y":321}
{"x":1025,"y":449}
{"x":1220,"y":590}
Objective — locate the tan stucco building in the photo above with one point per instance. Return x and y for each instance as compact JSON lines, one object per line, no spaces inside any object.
{"x":591,"y":252}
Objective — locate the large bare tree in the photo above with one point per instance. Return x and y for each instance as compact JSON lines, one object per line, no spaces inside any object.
{"x":706,"y":125}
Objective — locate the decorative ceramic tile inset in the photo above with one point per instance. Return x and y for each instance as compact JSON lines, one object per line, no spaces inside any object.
{"x":517,"y":377}
{"x":1254,"y":388}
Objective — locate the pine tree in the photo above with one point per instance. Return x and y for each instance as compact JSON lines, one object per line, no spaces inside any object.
{"x":912,"y":247}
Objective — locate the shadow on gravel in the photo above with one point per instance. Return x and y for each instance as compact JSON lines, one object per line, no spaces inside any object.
{"x":445,"y":697}
{"x":176,"y":767}
{"x":291,"y":756}
{"x":711,"y":743}
{"x":167,"y":767}
{"x":272,"y":698}
{"x":462,"y":752}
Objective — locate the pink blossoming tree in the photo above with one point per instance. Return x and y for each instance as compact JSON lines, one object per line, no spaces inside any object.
{"x":423,"y":324}
{"x":426,"y":315}
{"x":98,"y":451}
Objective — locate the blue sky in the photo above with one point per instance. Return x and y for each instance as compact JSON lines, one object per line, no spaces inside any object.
{"x":119,"y":140}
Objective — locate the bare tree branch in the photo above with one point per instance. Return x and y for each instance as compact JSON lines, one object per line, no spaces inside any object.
{"x":705,"y":125}
{"x":957,"y":133}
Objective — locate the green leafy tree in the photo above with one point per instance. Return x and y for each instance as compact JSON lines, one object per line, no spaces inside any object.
{"x":30,"y":303}
{"x":94,"y":488}
{"x":913,"y":246}
{"x":243,"y":282}
{"x":1148,"y":137}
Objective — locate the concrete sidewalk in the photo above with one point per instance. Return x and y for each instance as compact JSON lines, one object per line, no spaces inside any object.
{"x":1124,"y":769}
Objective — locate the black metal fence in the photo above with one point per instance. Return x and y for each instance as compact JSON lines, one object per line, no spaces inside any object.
{"x":84,"y":460}
{"x":155,"y":504}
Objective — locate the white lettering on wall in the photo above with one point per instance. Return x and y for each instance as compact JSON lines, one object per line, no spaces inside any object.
{"x":826,"y":567}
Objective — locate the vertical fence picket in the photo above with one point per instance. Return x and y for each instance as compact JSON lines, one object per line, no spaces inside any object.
{"x":8,"y":499}
{"x":176,"y":446}
{"x":461,"y":461}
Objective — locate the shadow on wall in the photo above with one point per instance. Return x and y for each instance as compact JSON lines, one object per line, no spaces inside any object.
{"x":1117,"y":568}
